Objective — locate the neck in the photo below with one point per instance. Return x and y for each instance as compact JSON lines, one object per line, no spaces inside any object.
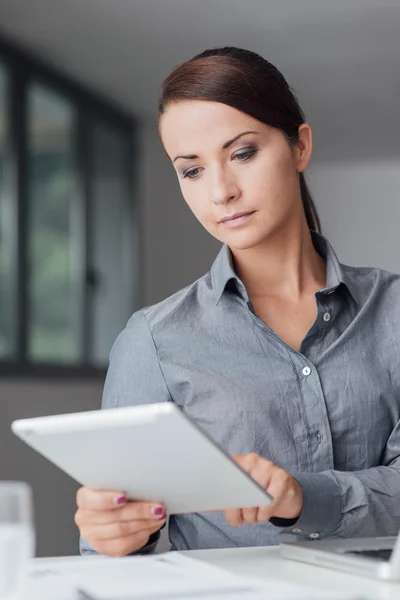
{"x":286,"y":265}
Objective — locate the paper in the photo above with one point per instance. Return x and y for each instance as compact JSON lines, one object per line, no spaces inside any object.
{"x":162,"y":576}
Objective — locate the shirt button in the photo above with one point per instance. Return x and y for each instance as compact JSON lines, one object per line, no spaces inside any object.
{"x":319,"y":437}
{"x":306,"y":371}
{"x":297,"y":530}
{"x":314,"y":536}
{"x":326,"y":317}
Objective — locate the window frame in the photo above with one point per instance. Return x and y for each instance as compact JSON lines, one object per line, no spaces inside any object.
{"x":22,"y":70}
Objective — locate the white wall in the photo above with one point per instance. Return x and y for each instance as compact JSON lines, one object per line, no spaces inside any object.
{"x":359,"y":205}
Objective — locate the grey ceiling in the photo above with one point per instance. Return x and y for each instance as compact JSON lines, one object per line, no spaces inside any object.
{"x":341,"y":56}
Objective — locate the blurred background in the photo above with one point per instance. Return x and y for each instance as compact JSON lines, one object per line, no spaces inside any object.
{"x":92,"y":224}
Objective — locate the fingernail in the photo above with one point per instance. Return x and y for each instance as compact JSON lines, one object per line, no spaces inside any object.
{"x":159,"y":512}
{"x":120,"y":500}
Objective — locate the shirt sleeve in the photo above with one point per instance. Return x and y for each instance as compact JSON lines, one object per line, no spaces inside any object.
{"x":351,"y":504}
{"x":134,"y":377}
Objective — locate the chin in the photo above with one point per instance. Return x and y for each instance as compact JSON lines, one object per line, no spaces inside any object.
{"x":244,"y":240}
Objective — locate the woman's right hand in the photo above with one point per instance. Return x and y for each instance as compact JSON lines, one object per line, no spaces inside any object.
{"x":113,"y":525}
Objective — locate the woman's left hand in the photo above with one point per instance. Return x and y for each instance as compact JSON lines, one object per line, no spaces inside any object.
{"x":285,"y":489}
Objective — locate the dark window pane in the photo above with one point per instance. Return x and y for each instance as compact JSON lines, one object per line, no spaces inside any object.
{"x":113,"y":260}
{"x":7,"y":233}
{"x":55,"y":261}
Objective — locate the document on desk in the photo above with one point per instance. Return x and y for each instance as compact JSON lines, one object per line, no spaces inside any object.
{"x":161,"y":577}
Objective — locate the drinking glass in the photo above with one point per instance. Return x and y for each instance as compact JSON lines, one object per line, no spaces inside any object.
{"x":17,"y":536}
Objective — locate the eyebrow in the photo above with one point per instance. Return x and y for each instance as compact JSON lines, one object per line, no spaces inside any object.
{"x":224,"y":147}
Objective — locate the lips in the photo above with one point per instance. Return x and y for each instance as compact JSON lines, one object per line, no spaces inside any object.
{"x":236,"y":220}
{"x":236,"y":216}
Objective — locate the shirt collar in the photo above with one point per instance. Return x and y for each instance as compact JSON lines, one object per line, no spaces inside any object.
{"x":222,"y":271}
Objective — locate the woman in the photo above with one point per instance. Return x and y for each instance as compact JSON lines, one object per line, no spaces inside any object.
{"x":287,"y":358}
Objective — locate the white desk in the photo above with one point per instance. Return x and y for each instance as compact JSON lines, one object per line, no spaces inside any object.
{"x":266,"y":564}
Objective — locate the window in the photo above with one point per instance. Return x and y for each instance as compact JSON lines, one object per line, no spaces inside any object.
{"x":7,"y":235}
{"x":55,"y":321}
{"x":111,"y":215}
{"x":68,"y":266}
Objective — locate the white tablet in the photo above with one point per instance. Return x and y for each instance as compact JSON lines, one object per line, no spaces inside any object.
{"x":151,"y":452}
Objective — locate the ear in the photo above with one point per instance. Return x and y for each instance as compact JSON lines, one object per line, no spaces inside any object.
{"x":303,"y":147}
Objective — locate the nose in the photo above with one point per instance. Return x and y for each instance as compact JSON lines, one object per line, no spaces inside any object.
{"x":224,"y":187}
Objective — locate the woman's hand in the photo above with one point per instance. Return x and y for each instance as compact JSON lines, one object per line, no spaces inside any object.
{"x":114,"y":526}
{"x":285,"y":489}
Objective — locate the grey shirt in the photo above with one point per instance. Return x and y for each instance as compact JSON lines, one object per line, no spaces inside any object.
{"x":328,"y":414}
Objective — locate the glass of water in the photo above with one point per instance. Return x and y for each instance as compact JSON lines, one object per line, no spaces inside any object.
{"x":17,"y":536}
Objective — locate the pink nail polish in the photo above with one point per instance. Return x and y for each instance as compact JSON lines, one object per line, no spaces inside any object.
{"x":159,"y":512}
{"x":120,"y":500}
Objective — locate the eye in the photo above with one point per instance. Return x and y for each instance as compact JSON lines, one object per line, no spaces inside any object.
{"x":191,"y":173}
{"x":245,"y":155}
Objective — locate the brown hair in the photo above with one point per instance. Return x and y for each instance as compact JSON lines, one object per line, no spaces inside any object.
{"x":243,"y":80}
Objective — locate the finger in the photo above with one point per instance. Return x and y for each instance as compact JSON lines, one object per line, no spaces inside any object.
{"x":129,"y":512}
{"x":120,"y":530}
{"x":250,"y":515}
{"x":237,"y":457}
{"x":246,"y":461}
{"x":142,"y":511}
{"x":99,"y":499}
{"x":132,"y":511}
{"x":264,"y":513}
{"x":123,"y":547}
{"x":234,"y":517}
{"x":260,"y":471}
{"x":288,"y":502}
{"x":276,"y":489}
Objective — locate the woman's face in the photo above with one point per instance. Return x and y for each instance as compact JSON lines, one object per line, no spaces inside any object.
{"x":238,"y":175}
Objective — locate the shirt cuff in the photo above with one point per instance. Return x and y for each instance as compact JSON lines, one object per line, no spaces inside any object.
{"x":322,"y":507}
